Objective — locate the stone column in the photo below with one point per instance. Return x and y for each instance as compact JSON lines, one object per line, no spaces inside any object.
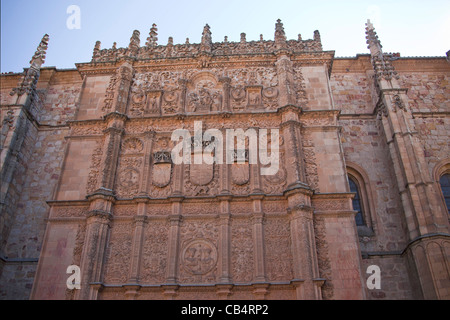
{"x":173,"y":246}
{"x":100,"y":211}
{"x":255,"y":172}
{"x":290,"y":130}
{"x":298,"y":195}
{"x":224,"y":263}
{"x":136,"y":251}
{"x":122,"y":88}
{"x":102,"y":200}
{"x":178,"y":178}
{"x":284,"y":67}
{"x":258,"y":238}
{"x":94,"y":249}
{"x":285,"y":74}
{"x":304,"y":253}
{"x":110,"y":158}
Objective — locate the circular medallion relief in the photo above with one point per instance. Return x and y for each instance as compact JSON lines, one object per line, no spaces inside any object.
{"x":199,"y":256}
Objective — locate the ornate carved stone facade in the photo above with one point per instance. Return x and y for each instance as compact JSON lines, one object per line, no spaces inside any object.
{"x":88,"y":178}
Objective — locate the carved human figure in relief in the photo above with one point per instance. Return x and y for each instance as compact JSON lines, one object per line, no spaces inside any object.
{"x":204,"y":97}
{"x":254,"y":98}
{"x":153,"y":103}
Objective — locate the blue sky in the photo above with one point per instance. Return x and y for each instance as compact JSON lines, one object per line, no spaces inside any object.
{"x":411,"y":27}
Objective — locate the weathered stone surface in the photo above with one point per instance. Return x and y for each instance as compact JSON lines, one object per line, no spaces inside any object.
{"x":88,"y":178}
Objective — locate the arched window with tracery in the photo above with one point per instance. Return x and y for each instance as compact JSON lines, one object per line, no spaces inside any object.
{"x":363,"y":200}
{"x":357,"y":205}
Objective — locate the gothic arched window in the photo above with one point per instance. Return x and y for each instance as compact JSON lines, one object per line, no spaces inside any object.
{"x":357,"y":205}
{"x":444,"y":181}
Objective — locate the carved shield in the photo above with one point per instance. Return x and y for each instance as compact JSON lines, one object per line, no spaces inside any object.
{"x":240,"y":173}
{"x":161,"y":174}
{"x":201,"y":174}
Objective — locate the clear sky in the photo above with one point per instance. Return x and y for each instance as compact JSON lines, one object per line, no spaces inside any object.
{"x":411,"y":27}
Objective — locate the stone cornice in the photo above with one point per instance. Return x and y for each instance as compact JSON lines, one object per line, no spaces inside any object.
{"x":362,"y":64}
{"x":212,"y":61}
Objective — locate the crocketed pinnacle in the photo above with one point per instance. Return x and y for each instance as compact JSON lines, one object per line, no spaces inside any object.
{"x":206,"y":44}
{"x":381,"y":62}
{"x":372,"y":39}
{"x":30,"y":78}
{"x":280,"y":36}
{"x":152,"y":40}
{"x":38,"y":58}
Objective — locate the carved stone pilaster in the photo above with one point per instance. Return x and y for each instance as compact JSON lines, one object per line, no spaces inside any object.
{"x":116,"y":98}
{"x":285,"y":72}
{"x":136,"y":251}
{"x":294,"y":159}
{"x":173,"y":245}
{"x":304,"y":252}
{"x":258,"y":240}
{"x":224,"y":264}
{"x":94,"y":248}
{"x":110,"y":157}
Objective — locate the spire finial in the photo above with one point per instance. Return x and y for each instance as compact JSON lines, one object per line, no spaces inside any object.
{"x":135,"y":40}
{"x":279,"y":28}
{"x":135,"y":43}
{"x":317,"y":39}
{"x":372,"y":38}
{"x":280,"y":35}
{"x":152,"y":40}
{"x":96,"y":51}
{"x":206,"y":44}
{"x":243,"y":37}
{"x":380,"y":61}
